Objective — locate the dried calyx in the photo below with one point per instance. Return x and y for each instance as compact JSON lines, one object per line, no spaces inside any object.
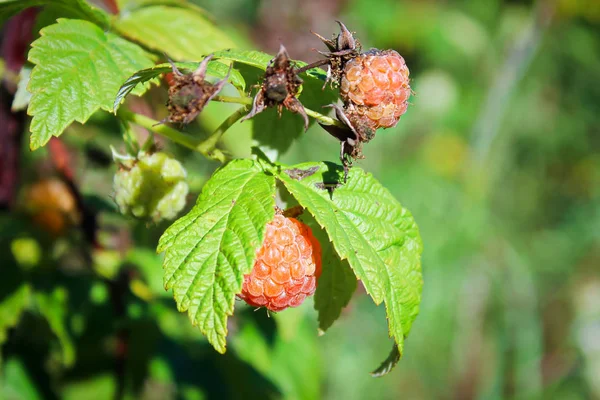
{"x":190,"y":93}
{"x":374,"y":88}
{"x":279,"y":88}
{"x":342,"y":48}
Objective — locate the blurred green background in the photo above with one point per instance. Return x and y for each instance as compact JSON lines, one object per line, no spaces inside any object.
{"x":498,"y":159}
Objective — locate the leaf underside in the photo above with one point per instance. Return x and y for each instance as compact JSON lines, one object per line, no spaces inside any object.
{"x":208,"y":251}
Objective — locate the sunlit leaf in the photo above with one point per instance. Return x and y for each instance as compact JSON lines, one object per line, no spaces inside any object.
{"x":78,"y":70}
{"x":208,"y":251}
{"x":183,"y":34}
{"x":372,"y":231}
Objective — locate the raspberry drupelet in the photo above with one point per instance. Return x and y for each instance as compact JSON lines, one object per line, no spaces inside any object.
{"x":286,"y":268}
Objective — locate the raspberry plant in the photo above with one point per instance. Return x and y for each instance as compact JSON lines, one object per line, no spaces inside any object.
{"x":89,"y":61}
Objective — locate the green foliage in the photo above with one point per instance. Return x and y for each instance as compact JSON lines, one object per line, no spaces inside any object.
{"x":260,"y":60}
{"x":78,"y":70}
{"x":337,"y":283}
{"x":16,"y":384}
{"x":129,"y":5}
{"x":370,"y":229}
{"x":253,"y":58}
{"x":268,"y":126}
{"x":289,"y":360}
{"x":208,"y":251}
{"x":11,"y":309}
{"x":214,"y":68}
{"x":80,"y":8}
{"x":98,"y":388}
{"x":183,"y":34}
{"x":103,"y":269}
{"x":53,"y":307}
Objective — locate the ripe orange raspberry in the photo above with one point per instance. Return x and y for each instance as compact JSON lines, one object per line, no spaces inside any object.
{"x":375,"y":88}
{"x":286,"y":268}
{"x":52,"y":205}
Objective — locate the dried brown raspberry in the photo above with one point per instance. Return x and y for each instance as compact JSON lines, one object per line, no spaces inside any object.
{"x":286,"y":268}
{"x":375,"y":90}
{"x":279,"y":88}
{"x":189,"y":93}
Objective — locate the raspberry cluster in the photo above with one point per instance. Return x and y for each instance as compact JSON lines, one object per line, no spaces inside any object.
{"x":286,"y":268}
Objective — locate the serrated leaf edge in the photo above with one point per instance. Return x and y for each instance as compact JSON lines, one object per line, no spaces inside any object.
{"x":164,"y":246}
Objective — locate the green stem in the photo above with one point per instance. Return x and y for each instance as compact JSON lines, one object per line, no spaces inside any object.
{"x":238,"y":100}
{"x":323,"y":118}
{"x":163,"y":130}
{"x":208,"y":146}
{"x":316,"y":115}
{"x":206,"y":149}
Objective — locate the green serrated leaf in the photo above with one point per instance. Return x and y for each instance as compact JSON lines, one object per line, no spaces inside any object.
{"x":81,"y":8}
{"x":208,"y":251}
{"x":78,"y":70}
{"x":214,"y":68}
{"x":11,"y":309}
{"x":253,"y":58}
{"x":370,"y":229}
{"x":130,"y":5}
{"x":258,"y":59}
{"x":183,"y":34}
{"x":54,"y":308}
{"x":337,"y":282}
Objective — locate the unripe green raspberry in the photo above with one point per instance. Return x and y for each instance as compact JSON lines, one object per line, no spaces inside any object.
{"x":153,"y":186}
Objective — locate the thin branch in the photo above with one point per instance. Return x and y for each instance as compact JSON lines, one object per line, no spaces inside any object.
{"x":237,"y":100}
{"x":208,"y":146}
{"x":311,"y":66}
{"x":171,"y":134}
{"x":316,"y":115}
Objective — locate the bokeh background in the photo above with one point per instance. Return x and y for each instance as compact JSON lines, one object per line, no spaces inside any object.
{"x":498,"y":159}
